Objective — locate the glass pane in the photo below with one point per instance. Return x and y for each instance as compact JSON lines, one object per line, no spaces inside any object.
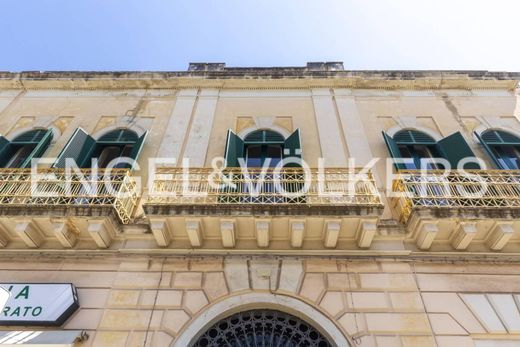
{"x":19,"y":156}
{"x":508,"y":156}
{"x":254,"y":156}
{"x":406,"y":152}
{"x":108,"y":154}
{"x":275,"y":154}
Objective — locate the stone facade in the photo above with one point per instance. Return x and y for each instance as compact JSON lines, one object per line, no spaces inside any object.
{"x":361,"y":275}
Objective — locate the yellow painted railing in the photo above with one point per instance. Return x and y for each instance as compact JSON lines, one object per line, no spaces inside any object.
{"x":201,"y":186}
{"x":482,"y":189}
{"x":58,"y":188}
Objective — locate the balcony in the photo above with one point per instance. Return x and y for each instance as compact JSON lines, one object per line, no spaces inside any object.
{"x":481,"y":211}
{"x":272,"y":207}
{"x":65,"y":206}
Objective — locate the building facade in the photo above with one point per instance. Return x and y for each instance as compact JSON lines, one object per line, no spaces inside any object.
{"x":306,"y":206}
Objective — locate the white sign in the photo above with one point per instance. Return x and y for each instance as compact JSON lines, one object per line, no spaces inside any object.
{"x":38,"y":304}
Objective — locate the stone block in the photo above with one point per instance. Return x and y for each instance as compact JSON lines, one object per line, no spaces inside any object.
{"x":388,"y":281}
{"x":402,"y":323}
{"x":367,"y":301}
{"x":123,"y":298}
{"x":110,"y":339}
{"x":174,"y":321}
{"x":169,"y":299}
{"x":406,"y":301}
{"x":237,"y":274}
{"x":137,"y":280}
{"x":188,"y":280}
{"x":125,"y":319}
{"x":444,"y":324}
{"x":333,"y":303}
{"x":419,"y":341}
{"x":195,"y":300}
{"x":313,"y":286}
{"x":85,"y":319}
{"x":319,"y":265}
{"x":290,"y":276}
{"x":215,"y":285}
{"x":93,"y":297}
{"x":353,"y":323}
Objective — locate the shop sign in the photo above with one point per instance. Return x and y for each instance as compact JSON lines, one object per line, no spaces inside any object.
{"x":38,"y":303}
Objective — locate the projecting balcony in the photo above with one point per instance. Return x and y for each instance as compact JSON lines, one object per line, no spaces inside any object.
{"x":270,"y":208}
{"x":479,"y":211}
{"x":55,"y":205}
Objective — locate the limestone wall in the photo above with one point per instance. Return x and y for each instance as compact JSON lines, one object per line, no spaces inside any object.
{"x":125,"y":300}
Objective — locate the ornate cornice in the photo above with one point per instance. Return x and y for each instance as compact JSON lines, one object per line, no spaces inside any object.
{"x":262,"y":78}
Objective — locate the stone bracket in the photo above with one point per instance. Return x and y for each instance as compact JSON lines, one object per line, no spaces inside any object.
{"x":65,"y":233}
{"x":426,"y":234}
{"x":500,"y":235}
{"x":365,"y":233}
{"x":463,"y":235}
{"x":102,"y":231}
{"x":228,"y":233}
{"x":297,"y":227}
{"x":29,"y":233}
{"x":3,"y":238}
{"x":161,"y":231}
{"x":194,"y":230}
{"x":331,"y":233}
{"x":262,"y":227}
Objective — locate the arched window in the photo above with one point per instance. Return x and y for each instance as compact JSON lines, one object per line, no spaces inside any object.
{"x":502,"y":147}
{"x":119,"y":143}
{"x":416,"y":145}
{"x":113,"y":145}
{"x":19,"y":152}
{"x":262,"y":147}
{"x":257,"y":328}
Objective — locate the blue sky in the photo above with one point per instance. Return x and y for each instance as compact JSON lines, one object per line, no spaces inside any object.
{"x":168,"y":34}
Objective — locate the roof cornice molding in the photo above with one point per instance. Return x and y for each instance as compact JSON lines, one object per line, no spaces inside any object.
{"x":243,"y":78}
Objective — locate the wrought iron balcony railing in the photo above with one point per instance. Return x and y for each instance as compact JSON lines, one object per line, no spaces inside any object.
{"x":478,"y":189}
{"x":288,"y":186}
{"x":58,"y":188}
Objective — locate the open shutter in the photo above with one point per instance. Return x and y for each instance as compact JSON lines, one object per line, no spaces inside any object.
{"x":79,"y":148}
{"x":394,"y":151}
{"x":293,"y":148}
{"x":138,"y":146}
{"x":234,"y":149}
{"x":40,"y":148}
{"x":490,"y":152}
{"x":454,"y":148}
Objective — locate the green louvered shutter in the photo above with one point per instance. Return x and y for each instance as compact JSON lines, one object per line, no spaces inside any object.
{"x":79,"y":148}
{"x":138,"y":146}
{"x":394,"y":151}
{"x":454,"y":148}
{"x":293,"y":148}
{"x":4,"y":151}
{"x":490,"y":152}
{"x":234,"y":149}
{"x":40,"y":148}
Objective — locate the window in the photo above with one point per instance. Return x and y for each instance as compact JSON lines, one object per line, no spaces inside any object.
{"x":262,"y":147}
{"x":257,"y":328}
{"x":19,"y":152}
{"x":119,"y":143}
{"x":502,"y":147}
{"x":418,"y":145}
{"x":258,"y":149}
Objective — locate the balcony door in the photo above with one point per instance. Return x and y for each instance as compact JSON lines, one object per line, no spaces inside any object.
{"x":19,"y":152}
{"x":502,"y":147}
